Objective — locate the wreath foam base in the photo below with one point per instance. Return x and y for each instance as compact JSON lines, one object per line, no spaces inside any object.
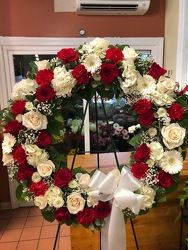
{"x":33,"y":123}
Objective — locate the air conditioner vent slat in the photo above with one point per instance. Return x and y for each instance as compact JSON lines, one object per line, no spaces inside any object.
{"x":101,"y":7}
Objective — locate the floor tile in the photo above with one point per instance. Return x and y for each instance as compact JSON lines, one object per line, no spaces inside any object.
{"x":5,"y":214}
{"x":11,"y":235}
{"x":64,"y":243}
{"x":8,"y":246}
{"x":46,"y":244}
{"x":3,"y":223}
{"x":34,"y":211}
{"x":32,"y":233}
{"x":20,"y":212}
{"x":47,"y":223}
{"x":64,"y":230}
{"x":27,"y":244}
{"x":16,"y":223}
{"x":48,"y":232}
{"x":34,"y":221}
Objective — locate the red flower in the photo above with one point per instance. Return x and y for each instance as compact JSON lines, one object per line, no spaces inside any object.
{"x":142,"y":106}
{"x":139,"y":170}
{"x":165,"y":179}
{"x":45,"y":93}
{"x":62,"y":214}
{"x":68,"y":55}
{"x":13,"y":127}
{"x":115,"y":55}
{"x":81,"y":75}
{"x":156,"y":71}
{"x":175,"y":112}
{"x":19,"y":154}
{"x":18,"y":107}
{"x":87,"y":216}
{"x":44,"y":140}
{"x":62,"y":177}
{"x":142,"y":153}
{"x":38,"y":188}
{"x":108,"y":73}
{"x":102,"y":210}
{"x":147,"y":118}
{"x":25,"y":172}
{"x":44,"y":77}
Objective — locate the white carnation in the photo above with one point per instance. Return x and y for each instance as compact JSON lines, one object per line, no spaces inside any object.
{"x":157,"y":150}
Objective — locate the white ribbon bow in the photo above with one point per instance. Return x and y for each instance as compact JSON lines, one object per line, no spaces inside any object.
{"x":122,"y":196}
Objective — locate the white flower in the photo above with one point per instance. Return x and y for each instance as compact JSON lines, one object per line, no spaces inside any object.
{"x":54,"y":197}
{"x":35,"y":154}
{"x":8,"y":142}
{"x":116,"y":174}
{"x":152,"y":132}
{"x":92,"y":63}
{"x":75,"y":203}
{"x":92,"y":202}
{"x":83,"y":179}
{"x":162,"y":112}
{"x":100,"y":46}
{"x":149,"y":195}
{"x":173,"y":135}
{"x":63,"y":82}
{"x":146,"y":84}
{"x":58,"y":202}
{"x":171,"y":162}
{"x":34,"y":120}
{"x":36,"y":177}
{"x":157,"y":151}
{"x":129,"y":53}
{"x":23,"y":88}
{"x":44,"y":64}
{"x":19,"y":118}
{"x":7,"y":159}
{"x":132,"y":129}
{"x":161,"y":99}
{"x":40,"y":202}
{"x":29,"y":106}
{"x":45,"y":169}
{"x":73,"y":184}
{"x":166,"y":85}
{"x":150,"y":163}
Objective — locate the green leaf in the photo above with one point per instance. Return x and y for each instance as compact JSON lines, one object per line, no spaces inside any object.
{"x":135,"y":141}
{"x":48,"y":215}
{"x":19,"y":192}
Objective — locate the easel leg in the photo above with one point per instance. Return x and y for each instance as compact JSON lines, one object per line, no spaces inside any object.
{"x":56,"y":237}
{"x":134,"y":233}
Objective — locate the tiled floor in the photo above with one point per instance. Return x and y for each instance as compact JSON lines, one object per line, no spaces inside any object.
{"x":25,"y":229}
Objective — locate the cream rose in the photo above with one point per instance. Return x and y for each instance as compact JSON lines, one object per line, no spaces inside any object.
{"x":75,"y":203}
{"x":34,"y":120}
{"x":83,"y":179}
{"x":44,"y":64}
{"x":129,"y":53}
{"x":40,"y":201}
{"x":45,"y":169}
{"x":166,"y":85}
{"x":173,"y":135}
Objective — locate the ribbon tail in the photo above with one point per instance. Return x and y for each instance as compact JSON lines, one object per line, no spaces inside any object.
{"x":104,"y":235}
{"x":116,"y":231}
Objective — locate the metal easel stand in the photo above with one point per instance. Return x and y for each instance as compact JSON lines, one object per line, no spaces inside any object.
{"x":98,"y":158}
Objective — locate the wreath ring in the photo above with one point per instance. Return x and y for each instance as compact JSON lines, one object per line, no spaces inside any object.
{"x":33,"y":124}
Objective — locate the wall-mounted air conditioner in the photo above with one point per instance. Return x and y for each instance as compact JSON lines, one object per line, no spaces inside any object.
{"x":112,"y":7}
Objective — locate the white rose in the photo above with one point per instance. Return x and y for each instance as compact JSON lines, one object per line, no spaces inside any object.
{"x":166,"y":85}
{"x":34,"y":120}
{"x":7,"y":159}
{"x":157,"y":150}
{"x":173,"y":135}
{"x":45,"y":169}
{"x":149,"y":195}
{"x":44,"y":64}
{"x":129,"y":53}
{"x":83,"y":179}
{"x":23,"y":88}
{"x":40,"y":202}
{"x":92,"y":202}
{"x":75,"y":203}
{"x":8,"y":142}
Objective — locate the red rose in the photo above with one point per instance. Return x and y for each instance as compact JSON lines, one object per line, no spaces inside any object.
{"x":115,"y":55}
{"x":18,"y":107}
{"x":139,"y":170}
{"x":44,"y":140}
{"x":44,"y":77}
{"x":142,"y":153}
{"x":25,"y":172}
{"x":13,"y":127}
{"x":165,"y":179}
{"x":19,"y":154}
{"x":45,"y":93}
{"x":68,"y":55}
{"x":81,"y":75}
{"x":102,"y":210}
{"x":156,"y":71}
{"x":62,"y":177}
{"x":38,"y":188}
{"x":175,"y":112}
{"x":142,"y":106}
{"x":108,"y":73}
{"x":87,"y":216}
{"x":147,"y":118}
{"x":62,"y":214}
